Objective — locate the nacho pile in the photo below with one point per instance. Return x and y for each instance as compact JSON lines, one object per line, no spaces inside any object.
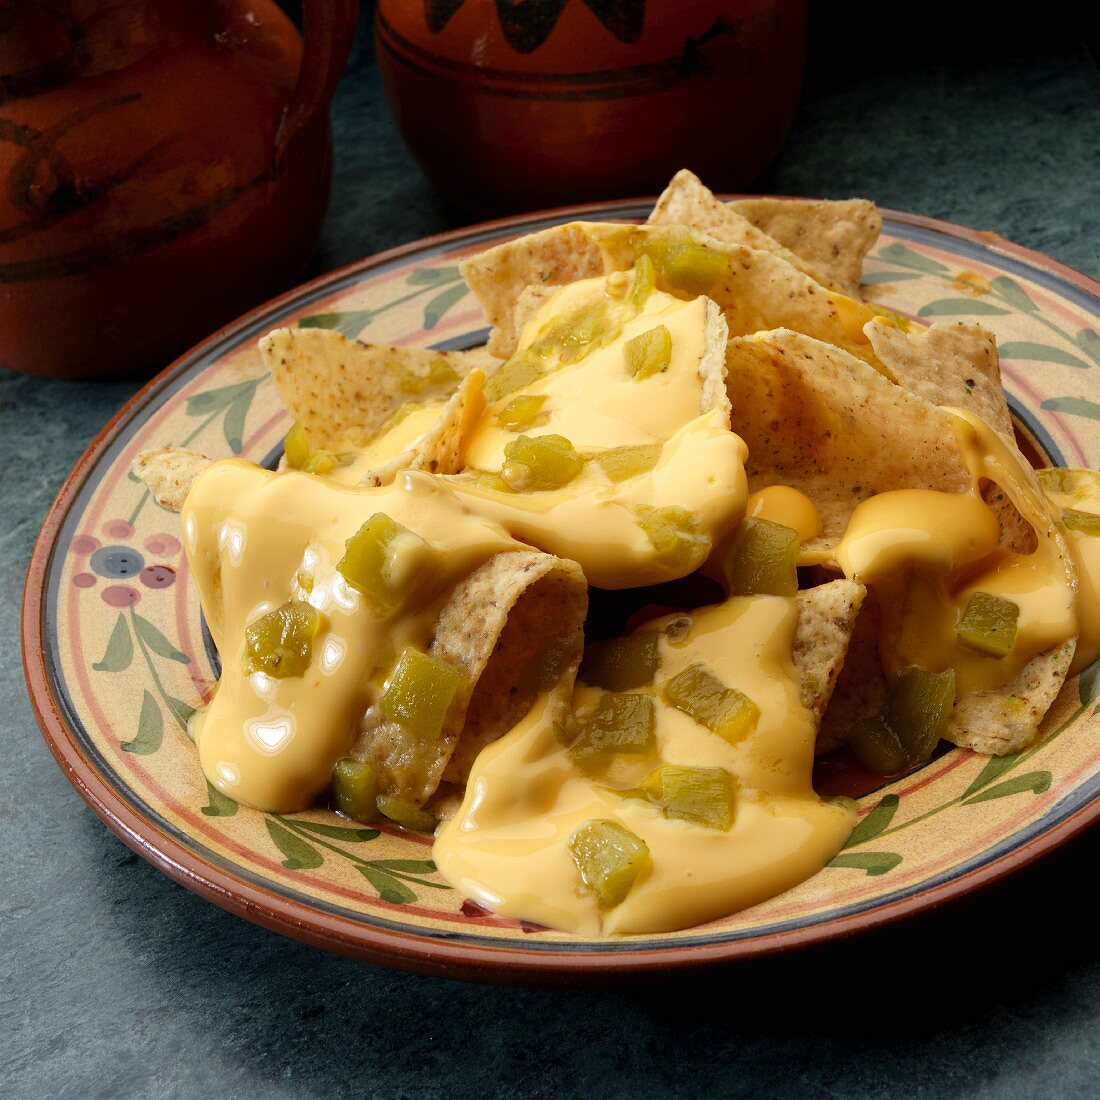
{"x":816,"y":519}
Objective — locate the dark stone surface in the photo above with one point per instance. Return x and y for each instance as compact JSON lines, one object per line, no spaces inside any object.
{"x":116,"y":982}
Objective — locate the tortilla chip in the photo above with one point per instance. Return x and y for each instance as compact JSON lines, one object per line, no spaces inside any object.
{"x":169,"y":473}
{"x":762,"y":290}
{"x":489,"y":630}
{"x":685,"y":201}
{"x":827,"y":616}
{"x":824,"y":422}
{"x":342,"y":391}
{"x":860,"y":690}
{"x":1007,"y":720}
{"x":834,"y":236}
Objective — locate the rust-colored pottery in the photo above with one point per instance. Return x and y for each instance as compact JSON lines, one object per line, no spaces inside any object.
{"x":165,"y":164}
{"x":115,"y":657}
{"x":512,"y":106}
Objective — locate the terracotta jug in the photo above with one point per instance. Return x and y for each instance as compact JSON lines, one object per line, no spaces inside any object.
{"x":166,"y":164}
{"x":517,"y":104}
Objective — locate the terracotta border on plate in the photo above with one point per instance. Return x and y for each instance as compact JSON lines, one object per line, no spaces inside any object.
{"x":408,"y":951}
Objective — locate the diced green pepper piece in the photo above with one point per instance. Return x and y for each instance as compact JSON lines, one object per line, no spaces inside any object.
{"x":280,"y":643}
{"x":619,"y":724}
{"x":518,"y":372}
{"x":296,"y":447}
{"x":440,"y":373}
{"x":549,"y":662}
{"x":494,"y":482}
{"x":762,"y":560}
{"x":354,"y":789}
{"x":988,"y":624}
{"x":383,"y":560}
{"x":419,"y":693}
{"x":648,"y":353}
{"x":321,"y":462}
{"x":1068,"y":481}
{"x":920,"y":707}
{"x":539,"y":462}
{"x":702,"y":795}
{"x":642,"y":283}
{"x":675,"y":535}
{"x":690,"y":268}
{"x":523,"y":412}
{"x":699,"y":693}
{"x":610,"y":858}
{"x":1086,"y":523}
{"x":620,"y":463}
{"x":877,"y":746}
{"x":619,"y":664}
{"x":576,"y":334}
{"x":405,"y":813}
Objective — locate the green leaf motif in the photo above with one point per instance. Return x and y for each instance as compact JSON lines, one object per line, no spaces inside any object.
{"x":233,"y":424}
{"x":874,"y":863}
{"x":1076,"y":405}
{"x":905,"y":256}
{"x":120,"y":648}
{"x":180,"y":710}
{"x":1088,"y":683}
{"x":348,"y":324}
{"x":157,"y":642}
{"x":875,"y":821}
{"x":1041,"y":353}
{"x":299,"y":855}
{"x":431,"y":276}
{"x":1010,"y":291}
{"x":876,"y":278}
{"x":411,"y":866}
{"x":1035,"y":782}
{"x":336,"y":832}
{"x":1089,"y":342}
{"x":202,"y":404}
{"x":150,"y":731}
{"x":958,"y":307}
{"x":438,"y":306}
{"x":994,"y":768}
{"x":218,"y":804}
{"x":389,"y":889}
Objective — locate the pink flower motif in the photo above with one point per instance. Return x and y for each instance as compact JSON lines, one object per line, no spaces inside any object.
{"x":85,"y":544}
{"x":162,"y":545}
{"x":118,"y":529}
{"x":157,"y":576}
{"x":120,"y":595}
{"x":84,"y":580}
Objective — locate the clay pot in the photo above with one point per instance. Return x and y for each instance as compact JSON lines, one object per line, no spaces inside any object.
{"x":166,"y":164}
{"x":513,"y":106}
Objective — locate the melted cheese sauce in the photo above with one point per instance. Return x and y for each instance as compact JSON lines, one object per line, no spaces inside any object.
{"x":507,"y":846}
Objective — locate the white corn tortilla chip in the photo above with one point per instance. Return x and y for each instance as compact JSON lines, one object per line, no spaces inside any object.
{"x":827,"y":615}
{"x":169,"y":473}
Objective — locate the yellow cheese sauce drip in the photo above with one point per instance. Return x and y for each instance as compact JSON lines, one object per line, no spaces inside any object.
{"x":786,"y":505}
{"x":926,"y":553}
{"x":257,"y":539}
{"x":507,"y":846}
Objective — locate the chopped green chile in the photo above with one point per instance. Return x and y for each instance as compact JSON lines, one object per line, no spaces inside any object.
{"x":419,"y":693}
{"x":321,"y":462}
{"x":354,"y":789}
{"x":876,"y":746}
{"x":919,"y":710}
{"x":540,"y":462}
{"x":648,"y":353}
{"x":762,"y":560}
{"x":620,"y":463}
{"x":624,"y":723}
{"x":280,"y":643}
{"x":382,"y":560}
{"x":517,"y":373}
{"x":523,"y":412}
{"x":296,"y":447}
{"x":494,"y":482}
{"x":575,"y":335}
{"x":1068,"y":481}
{"x":549,"y":662}
{"x":1084,"y":523}
{"x":619,"y":664}
{"x":689,"y":268}
{"x":724,"y":710}
{"x":609,"y":858}
{"x":643,"y":282}
{"x":405,"y":813}
{"x":674,"y":533}
{"x":988,"y":624}
{"x":440,"y":373}
{"x":702,"y":795}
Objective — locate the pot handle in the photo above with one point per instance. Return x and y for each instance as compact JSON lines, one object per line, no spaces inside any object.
{"x":328,"y":29}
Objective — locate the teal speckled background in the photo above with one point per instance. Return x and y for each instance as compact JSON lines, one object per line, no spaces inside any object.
{"x":114,"y":981}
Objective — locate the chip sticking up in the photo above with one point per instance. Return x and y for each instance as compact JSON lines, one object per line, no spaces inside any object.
{"x":169,"y":473}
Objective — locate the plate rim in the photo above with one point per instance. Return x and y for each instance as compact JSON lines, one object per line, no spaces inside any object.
{"x":408,"y":950}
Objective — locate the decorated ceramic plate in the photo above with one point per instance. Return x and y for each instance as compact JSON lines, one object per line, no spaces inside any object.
{"x":116,"y":660}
